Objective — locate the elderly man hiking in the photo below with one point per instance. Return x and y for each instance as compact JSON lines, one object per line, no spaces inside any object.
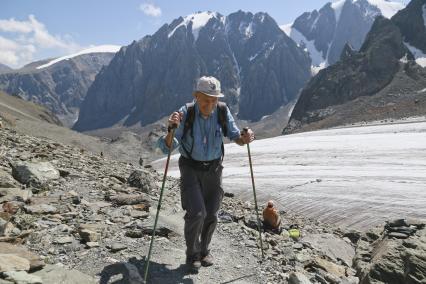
{"x":202,"y":125}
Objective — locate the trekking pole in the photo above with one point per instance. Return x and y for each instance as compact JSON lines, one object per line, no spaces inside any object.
{"x":245,"y":129}
{"x":159,"y":204}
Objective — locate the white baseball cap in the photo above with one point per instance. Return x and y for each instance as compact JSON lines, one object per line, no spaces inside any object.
{"x":209,"y":86}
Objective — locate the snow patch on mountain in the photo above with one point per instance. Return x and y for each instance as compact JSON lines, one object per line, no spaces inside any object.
{"x":424,"y":15}
{"x":318,"y":61}
{"x":418,"y":54}
{"x":387,"y":8}
{"x":198,"y":20}
{"x":95,"y":49}
{"x":337,"y":7}
{"x":246,"y":29}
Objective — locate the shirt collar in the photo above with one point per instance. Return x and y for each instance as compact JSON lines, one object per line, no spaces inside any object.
{"x":197,"y":111}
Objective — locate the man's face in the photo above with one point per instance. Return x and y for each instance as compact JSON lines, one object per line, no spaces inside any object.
{"x":206,"y":103}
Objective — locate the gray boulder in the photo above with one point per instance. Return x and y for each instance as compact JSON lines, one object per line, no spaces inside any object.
{"x":6,"y":180}
{"x":38,"y":172}
{"x":53,"y":274}
{"x":14,"y":194}
{"x":392,"y":260}
{"x":34,"y":260}
{"x":298,"y":278}
{"x":144,"y":180}
{"x":331,"y":246}
{"x":22,"y":277}
{"x":11,"y":262}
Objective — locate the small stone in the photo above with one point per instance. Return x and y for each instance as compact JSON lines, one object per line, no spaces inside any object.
{"x":353,"y":235}
{"x":398,"y":223}
{"x":41,"y":209}
{"x":134,"y":234}
{"x":64,"y":240}
{"x":92,"y":244}
{"x":115,"y":247}
{"x":130,"y":199}
{"x":76,"y":200}
{"x":397,"y":235}
{"x":298,"y":246}
{"x":161,"y":230}
{"x":139,"y":214}
{"x":88,"y":235}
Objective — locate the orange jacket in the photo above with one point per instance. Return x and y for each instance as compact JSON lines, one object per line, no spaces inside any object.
{"x":271,"y":217}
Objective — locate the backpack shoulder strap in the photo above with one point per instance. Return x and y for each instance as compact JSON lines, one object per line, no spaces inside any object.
{"x":223,"y":117}
{"x":189,"y":121}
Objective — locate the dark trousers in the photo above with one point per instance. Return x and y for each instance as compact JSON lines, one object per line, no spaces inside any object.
{"x":201,"y":196}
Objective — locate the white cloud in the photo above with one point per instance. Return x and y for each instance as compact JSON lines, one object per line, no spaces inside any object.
{"x":21,"y":40}
{"x":150,"y":9}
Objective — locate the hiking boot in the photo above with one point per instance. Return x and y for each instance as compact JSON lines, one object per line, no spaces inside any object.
{"x":193,"y":263}
{"x":207,"y":260}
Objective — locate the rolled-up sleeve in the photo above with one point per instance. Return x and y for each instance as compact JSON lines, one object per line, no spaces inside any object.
{"x":233,"y":130}
{"x":161,"y":143}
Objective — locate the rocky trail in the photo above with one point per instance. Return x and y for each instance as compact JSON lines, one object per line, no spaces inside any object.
{"x":70,"y":216}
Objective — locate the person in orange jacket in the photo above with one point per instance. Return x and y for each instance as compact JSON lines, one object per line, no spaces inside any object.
{"x":271,"y":217}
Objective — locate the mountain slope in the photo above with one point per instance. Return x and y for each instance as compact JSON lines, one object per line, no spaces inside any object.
{"x":325,"y":32}
{"x":260,"y":69}
{"x":35,"y":120}
{"x":4,"y":68}
{"x":381,"y":81}
{"x":14,"y":108}
{"x":58,"y":84}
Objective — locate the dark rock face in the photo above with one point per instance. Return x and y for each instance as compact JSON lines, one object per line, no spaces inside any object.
{"x":364,"y":73}
{"x":381,"y":64}
{"x":355,"y":21}
{"x":410,"y":22}
{"x":60,"y":87}
{"x":332,"y":27}
{"x":318,"y":26}
{"x":259,"y":67}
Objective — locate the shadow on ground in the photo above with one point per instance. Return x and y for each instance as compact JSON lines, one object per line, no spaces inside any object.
{"x":132,"y":272}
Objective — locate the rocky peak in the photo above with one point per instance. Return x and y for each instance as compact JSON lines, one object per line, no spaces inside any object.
{"x":194,"y":23}
{"x":58,"y":84}
{"x":383,"y":70}
{"x":324,"y":33}
{"x":412,"y":23}
{"x":156,"y":75}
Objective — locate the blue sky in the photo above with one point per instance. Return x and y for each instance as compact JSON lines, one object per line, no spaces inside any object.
{"x":37,"y":29}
